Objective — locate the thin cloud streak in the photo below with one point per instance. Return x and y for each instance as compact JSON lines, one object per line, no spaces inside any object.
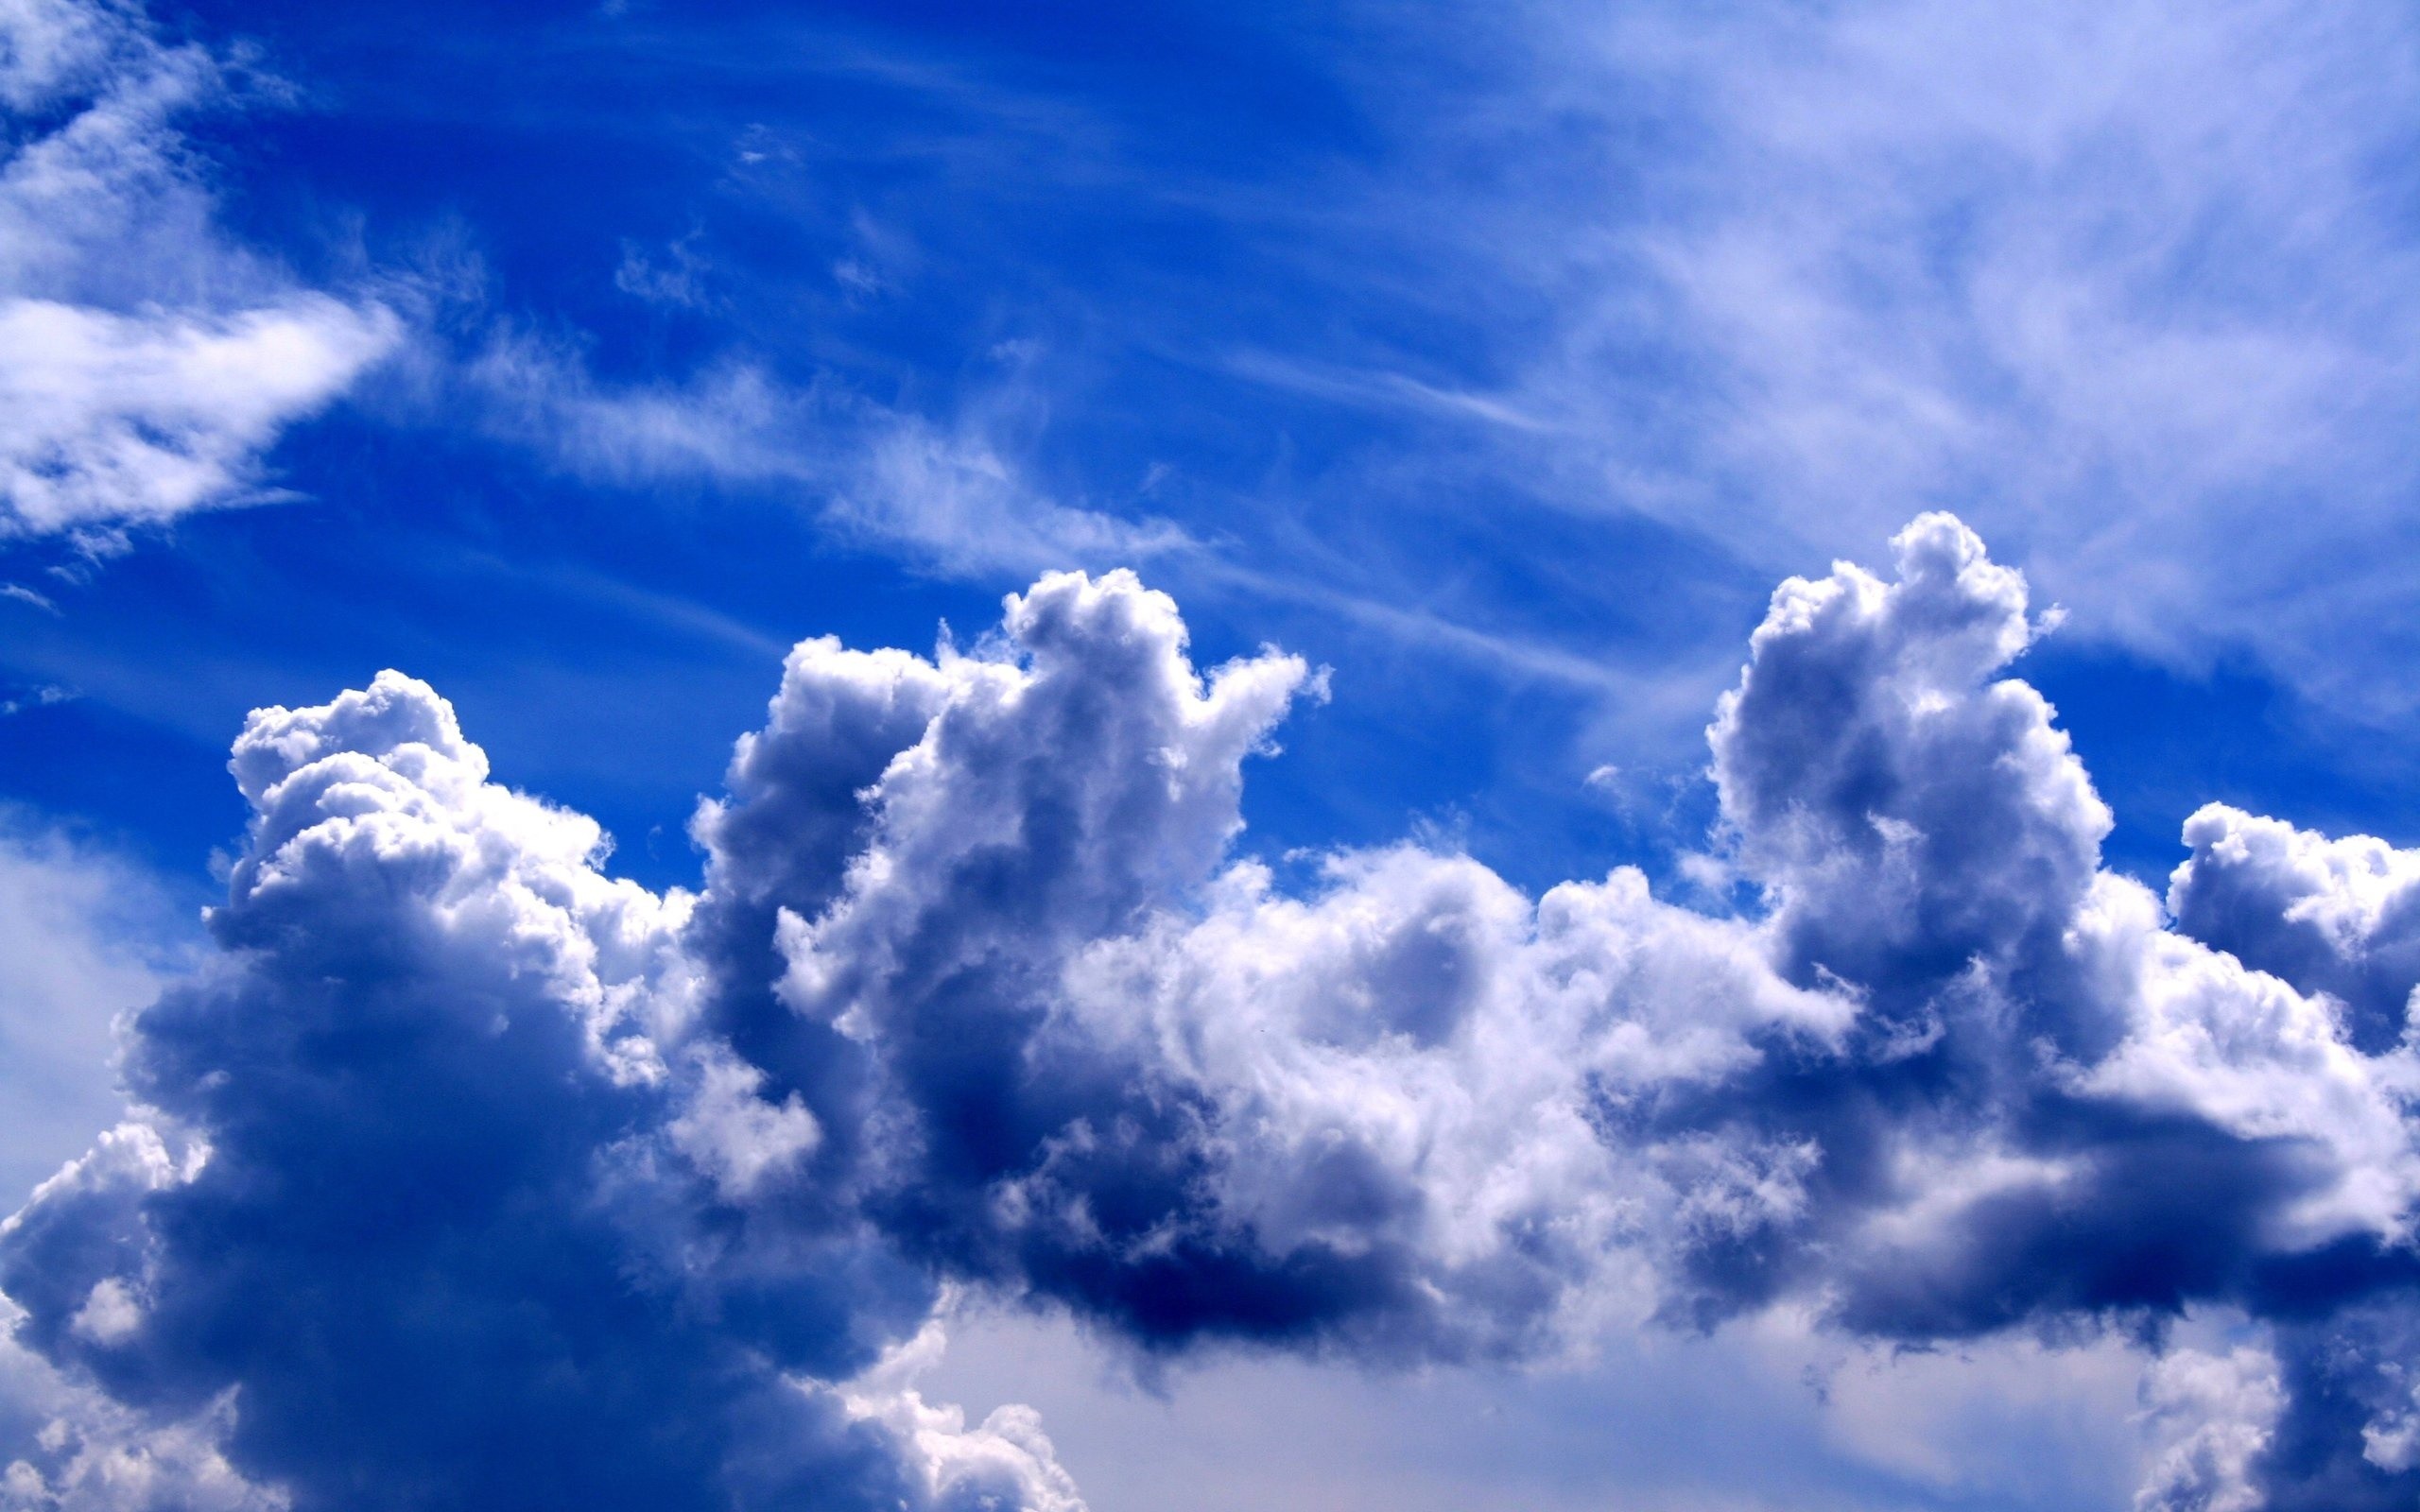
{"x":945,"y":499}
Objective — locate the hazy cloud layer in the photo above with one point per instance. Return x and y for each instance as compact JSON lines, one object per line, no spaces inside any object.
{"x":466,"y":1175}
{"x":84,"y":935}
{"x":2128,"y":285}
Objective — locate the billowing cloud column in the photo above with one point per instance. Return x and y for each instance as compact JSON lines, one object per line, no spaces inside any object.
{"x":420,"y":1211}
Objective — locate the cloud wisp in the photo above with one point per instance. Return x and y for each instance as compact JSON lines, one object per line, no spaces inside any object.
{"x":466,"y":1175}
{"x":946,"y":498}
{"x":146,"y":362}
{"x":2127,"y":286}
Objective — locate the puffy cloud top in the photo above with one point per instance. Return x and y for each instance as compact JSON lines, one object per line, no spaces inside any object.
{"x":2339,"y":917}
{"x":411,"y":1211}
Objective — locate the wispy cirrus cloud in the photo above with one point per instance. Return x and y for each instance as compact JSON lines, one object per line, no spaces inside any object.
{"x":2131,"y":287}
{"x":952,"y":496}
{"x":146,"y":361}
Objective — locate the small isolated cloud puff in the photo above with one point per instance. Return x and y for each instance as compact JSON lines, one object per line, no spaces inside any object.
{"x":145,"y":364}
{"x":465,"y":1169}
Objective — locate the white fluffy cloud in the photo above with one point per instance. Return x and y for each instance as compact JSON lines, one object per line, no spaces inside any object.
{"x":145,"y":363}
{"x":1004,"y":1461}
{"x":977,"y":994}
{"x":2228,"y":1405}
{"x":2339,"y":917}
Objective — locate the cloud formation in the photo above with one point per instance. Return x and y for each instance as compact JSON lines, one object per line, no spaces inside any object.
{"x":2039,"y":258}
{"x":146,"y":362}
{"x":410,"y":1210}
{"x":467,"y":1176}
{"x":948,"y":498}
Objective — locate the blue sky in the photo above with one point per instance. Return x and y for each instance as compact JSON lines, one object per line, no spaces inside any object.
{"x":582,"y":360}
{"x":1369,"y":309}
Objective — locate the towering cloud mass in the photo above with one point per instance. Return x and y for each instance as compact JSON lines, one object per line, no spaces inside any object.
{"x":467,"y":1176}
{"x":428,"y":1207}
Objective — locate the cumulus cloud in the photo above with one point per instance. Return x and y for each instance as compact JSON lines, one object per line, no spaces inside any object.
{"x":408,"y":1214}
{"x":70,"y":1446}
{"x":2339,"y":917}
{"x":1955,"y":1079}
{"x":78,"y":1451}
{"x":2228,"y":1404}
{"x":465,"y":1169}
{"x":148,"y":361}
{"x":1004,"y":1461}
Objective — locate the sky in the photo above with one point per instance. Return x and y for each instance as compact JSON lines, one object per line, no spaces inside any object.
{"x":1057,"y":757}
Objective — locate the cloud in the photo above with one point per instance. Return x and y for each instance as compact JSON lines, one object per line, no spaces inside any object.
{"x":70,"y":1446}
{"x":463,"y":1170}
{"x":2339,"y":917}
{"x":1956,"y":1080}
{"x":78,"y":1451}
{"x":953,"y":497}
{"x":406,"y":1213}
{"x":679,"y":279}
{"x":84,"y":935}
{"x":117,"y":420}
{"x":948,"y":498}
{"x":1775,"y":1414}
{"x":1004,"y":1461}
{"x":2230,"y":1404}
{"x":2124,"y":284}
{"x":149,"y":362}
